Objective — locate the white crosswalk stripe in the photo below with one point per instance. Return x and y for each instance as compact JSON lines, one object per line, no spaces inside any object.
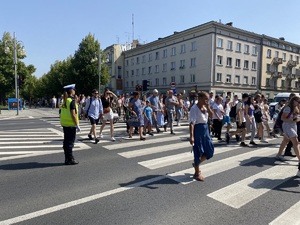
{"x":15,"y":144}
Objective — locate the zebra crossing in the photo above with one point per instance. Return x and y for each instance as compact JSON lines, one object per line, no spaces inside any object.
{"x":22,"y":143}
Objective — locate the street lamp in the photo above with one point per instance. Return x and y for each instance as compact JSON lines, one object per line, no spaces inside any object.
{"x":99,"y":68}
{"x":15,"y":42}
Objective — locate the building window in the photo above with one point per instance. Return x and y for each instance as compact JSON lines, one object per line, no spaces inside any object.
{"x":150,"y":57}
{"x":254,"y":50}
{"x":181,"y":78}
{"x":137,"y":82}
{"x":283,"y":56}
{"x":193,"y":78}
{"x":219,"y":77}
{"x":149,"y":69}
{"x":132,"y":73}
{"x":291,"y":57}
{"x":156,"y":55}
{"x":127,"y":84}
{"x":127,"y":73}
{"x":193,"y":46}
{"x":157,"y":69}
{"x":238,"y":47}
{"x":137,"y":60}
{"x":143,"y":71}
{"x":137,"y":72}
{"x":269,"y":53}
{"x":229,"y":45}
{"x":165,"y":53}
{"x":297,"y":59}
{"x":238,"y":63}
{"x":164,"y":67}
{"x":143,"y":59}
{"x":172,"y":78}
{"x":132,"y":62}
{"x":132,"y":83}
{"x":219,"y":60}
{"x":156,"y":81}
{"x":229,"y":62}
{"x":246,"y":49}
{"x":253,"y":80}
{"x":127,"y":62}
{"x":268,"y":67}
{"x":164,"y":80}
{"x":182,"y":48}
{"x":220,"y":43}
{"x":173,"y":51}
{"x":282,"y":83}
{"x":268,"y":43}
{"x":245,"y":80}
{"x":193,"y":62}
{"x":246,"y":64}
{"x":276,"y":54}
{"x":228,"y":78}
{"x":182,"y":64}
{"x":253,"y":65}
{"x":237,"y":79}
{"x":283,"y":70}
{"x":173,"y":65}
{"x":268,"y":82}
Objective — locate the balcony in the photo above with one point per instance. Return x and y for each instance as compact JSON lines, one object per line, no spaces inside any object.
{"x":277,"y":60}
{"x":291,"y":63}
{"x":276,"y":75}
{"x":291,"y":77}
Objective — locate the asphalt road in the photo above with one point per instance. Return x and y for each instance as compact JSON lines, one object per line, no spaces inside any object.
{"x":139,"y":182}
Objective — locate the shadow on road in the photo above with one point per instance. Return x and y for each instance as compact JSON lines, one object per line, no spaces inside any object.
{"x":29,"y":165}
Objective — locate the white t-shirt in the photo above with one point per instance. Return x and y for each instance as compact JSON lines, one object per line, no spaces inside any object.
{"x":196,"y":116}
{"x":219,"y":109}
{"x":241,"y":106}
{"x":227,"y":108}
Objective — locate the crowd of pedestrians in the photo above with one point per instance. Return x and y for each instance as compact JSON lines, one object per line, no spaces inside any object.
{"x":207,"y":115}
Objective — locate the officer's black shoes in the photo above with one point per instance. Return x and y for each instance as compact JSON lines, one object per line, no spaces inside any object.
{"x":71,"y":162}
{"x":90,"y":137}
{"x":96,"y":140}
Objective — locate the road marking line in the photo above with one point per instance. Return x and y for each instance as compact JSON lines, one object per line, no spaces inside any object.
{"x":79,"y":201}
{"x":240,"y":193}
{"x":213,"y":168}
{"x":178,"y":158}
{"x":290,"y":216}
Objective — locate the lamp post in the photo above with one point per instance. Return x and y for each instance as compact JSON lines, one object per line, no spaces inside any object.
{"x":99,"y":69}
{"x":15,"y":42}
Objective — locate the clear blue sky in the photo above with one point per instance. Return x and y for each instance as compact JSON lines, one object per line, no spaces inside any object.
{"x":52,"y":29}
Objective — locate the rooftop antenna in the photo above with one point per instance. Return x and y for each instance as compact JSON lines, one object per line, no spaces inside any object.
{"x":118,"y":39}
{"x":132,"y":27}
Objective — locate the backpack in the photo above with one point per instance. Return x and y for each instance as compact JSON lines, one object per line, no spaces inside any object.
{"x":232,"y":112}
{"x":278,"y":122}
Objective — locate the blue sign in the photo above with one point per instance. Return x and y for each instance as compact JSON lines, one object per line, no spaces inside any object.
{"x":13,"y":103}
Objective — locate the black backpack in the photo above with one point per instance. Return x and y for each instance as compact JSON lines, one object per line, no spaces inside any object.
{"x":232,"y":112}
{"x":278,"y":122}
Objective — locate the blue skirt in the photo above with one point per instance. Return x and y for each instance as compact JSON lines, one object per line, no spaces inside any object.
{"x":202,"y":141}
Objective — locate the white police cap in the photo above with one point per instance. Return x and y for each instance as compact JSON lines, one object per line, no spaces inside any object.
{"x":69,"y":87}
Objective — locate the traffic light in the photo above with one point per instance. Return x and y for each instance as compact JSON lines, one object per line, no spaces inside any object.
{"x":146,"y":84}
{"x":21,"y":81}
{"x":138,"y":87}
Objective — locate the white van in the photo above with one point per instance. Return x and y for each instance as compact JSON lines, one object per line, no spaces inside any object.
{"x":273,"y":106}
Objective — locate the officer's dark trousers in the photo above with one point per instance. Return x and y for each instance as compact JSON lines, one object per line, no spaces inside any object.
{"x":69,"y":139}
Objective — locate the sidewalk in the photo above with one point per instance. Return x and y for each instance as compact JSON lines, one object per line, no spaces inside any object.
{"x":29,"y":113}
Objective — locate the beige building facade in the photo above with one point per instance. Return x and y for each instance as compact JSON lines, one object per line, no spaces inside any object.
{"x":210,"y":57}
{"x":280,"y":66}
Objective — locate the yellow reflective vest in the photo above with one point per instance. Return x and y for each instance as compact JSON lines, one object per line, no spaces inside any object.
{"x":66,"y":119}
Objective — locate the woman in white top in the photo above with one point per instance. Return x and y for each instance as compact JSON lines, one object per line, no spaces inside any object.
{"x":290,"y":116}
{"x":199,"y":134}
{"x":218,"y":113}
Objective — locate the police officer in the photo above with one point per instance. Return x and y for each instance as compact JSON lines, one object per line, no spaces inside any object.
{"x":70,"y":123}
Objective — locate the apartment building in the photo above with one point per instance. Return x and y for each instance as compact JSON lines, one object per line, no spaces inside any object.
{"x":280,"y":66}
{"x":211,"y":57}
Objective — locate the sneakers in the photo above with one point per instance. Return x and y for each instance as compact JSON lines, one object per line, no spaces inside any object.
{"x":113,"y":139}
{"x":264,"y":141}
{"x":280,"y":158}
{"x":90,"y":137}
{"x":243,"y":144}
{"x":227,"y":138}
{"x":288,"y":153}
{"x":96,"y":140}
{"x":101,"y":135}
{"x":71,"y":162}
{"x":252,"y":143}
{"x":150,"y":133}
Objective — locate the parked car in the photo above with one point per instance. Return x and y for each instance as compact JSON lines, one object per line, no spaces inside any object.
{"x":273,"y":106}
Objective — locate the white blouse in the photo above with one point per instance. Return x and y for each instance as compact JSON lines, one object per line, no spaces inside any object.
{"x":196,"y":116}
